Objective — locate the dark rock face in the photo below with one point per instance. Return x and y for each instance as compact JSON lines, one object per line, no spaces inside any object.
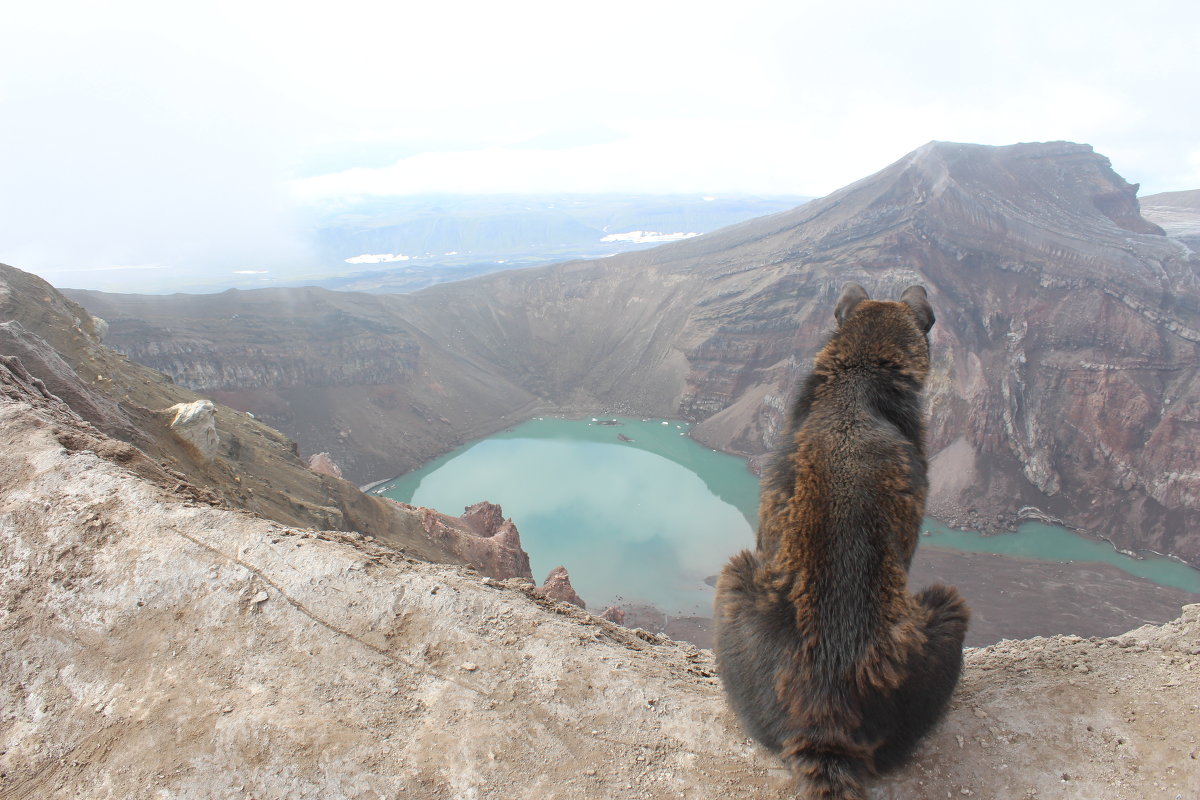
{"x":1064,"y":358}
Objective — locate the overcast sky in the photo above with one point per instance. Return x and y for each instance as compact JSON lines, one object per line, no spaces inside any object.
{"x":188,"y":136}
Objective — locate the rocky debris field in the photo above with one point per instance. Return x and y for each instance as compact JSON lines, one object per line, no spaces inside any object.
{"x":154,"y":646}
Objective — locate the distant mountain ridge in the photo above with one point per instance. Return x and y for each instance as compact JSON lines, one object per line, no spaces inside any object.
{"x":1065,"y":354}
{"x":429,"y":239}
{"x":1177,"y":213}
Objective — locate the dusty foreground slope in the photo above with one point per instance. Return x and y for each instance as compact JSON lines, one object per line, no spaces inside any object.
{"x":153,"y":646}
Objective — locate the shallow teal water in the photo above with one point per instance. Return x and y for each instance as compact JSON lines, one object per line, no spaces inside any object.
{"x":650,"y":517}
{"x":645,"y":520}
{"x":1052,"y":543}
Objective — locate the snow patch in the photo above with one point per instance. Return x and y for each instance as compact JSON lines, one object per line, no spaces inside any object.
{"x":377,"y":258}
{"x":647,"y":237}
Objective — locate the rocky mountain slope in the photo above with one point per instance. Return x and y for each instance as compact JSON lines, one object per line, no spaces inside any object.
{"x":156,"y":645}
{"x":207,"y":451}
{"x":1065,"y":354}
{"x":206,"y":458}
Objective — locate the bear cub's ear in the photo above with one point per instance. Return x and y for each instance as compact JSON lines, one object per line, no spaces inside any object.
{"x":852,"y":295}
{"x":915,"y":298}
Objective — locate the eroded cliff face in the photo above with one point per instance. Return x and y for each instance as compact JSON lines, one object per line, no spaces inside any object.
{"x":321,"y":346}
{"x":202,"y":450}
{"x":1065,"y":353}
{"x":341,"y":373}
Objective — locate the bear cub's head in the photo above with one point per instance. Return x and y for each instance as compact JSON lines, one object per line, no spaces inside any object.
{"x":895,"y":333}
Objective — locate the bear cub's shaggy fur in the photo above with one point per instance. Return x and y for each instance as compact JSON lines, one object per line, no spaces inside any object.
{"x":826,"y":657}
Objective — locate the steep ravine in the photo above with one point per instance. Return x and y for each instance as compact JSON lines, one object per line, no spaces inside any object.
{"x":154,"y":645}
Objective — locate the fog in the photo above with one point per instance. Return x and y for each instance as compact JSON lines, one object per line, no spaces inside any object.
{"x":151,"y":144}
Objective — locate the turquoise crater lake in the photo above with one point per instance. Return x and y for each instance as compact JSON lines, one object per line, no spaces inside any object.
{"x":639,"y":512}
{"x":643,"y":518}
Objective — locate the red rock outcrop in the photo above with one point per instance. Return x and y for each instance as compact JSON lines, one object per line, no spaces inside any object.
{"x":481,"y":537}
{"x":613,"y":614}
{"x":557,"y":586}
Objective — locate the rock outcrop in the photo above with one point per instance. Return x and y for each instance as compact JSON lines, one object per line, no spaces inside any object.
{"x":324,"y":464}
{"x":1065,"y":353}
{"x":481,"y":537}
{"x":196,"y":424}
{"x":154,"y":645}
{"x":557,"y":586}
{"x":613,"y":614}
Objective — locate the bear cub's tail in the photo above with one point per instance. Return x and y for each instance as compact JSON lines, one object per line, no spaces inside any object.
{"x":826,"y":776}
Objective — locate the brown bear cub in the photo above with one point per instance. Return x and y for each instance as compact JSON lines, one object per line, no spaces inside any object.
{"x":826,"y":657}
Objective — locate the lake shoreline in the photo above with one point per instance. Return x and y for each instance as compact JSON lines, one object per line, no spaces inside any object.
{"x":963,"y":520}
{"x":636,"y":507}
